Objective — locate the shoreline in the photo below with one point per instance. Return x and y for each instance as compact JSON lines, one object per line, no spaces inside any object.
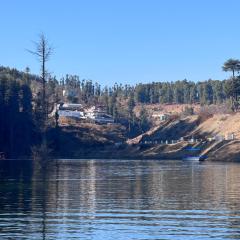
{"x":126,"y":159}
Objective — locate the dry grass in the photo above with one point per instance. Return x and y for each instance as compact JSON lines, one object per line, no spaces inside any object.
{"x":222,"y":124}
{"x":93,"y":133}
{"x":166,"y":108}
{"x":227,"y":152}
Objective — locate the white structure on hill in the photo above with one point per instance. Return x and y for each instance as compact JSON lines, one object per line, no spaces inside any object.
{"x":74,"y":110}
{"x":98,"y":115}
{"x":74,"y":114}
{"x":71,"y":106}
{"x":161,"y":116}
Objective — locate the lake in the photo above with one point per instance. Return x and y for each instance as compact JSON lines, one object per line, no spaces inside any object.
{"x":119,"y":199}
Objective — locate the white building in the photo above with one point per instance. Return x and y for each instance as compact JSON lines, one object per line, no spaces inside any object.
{"x":69,"y":113}
{"x":99,"y":115}
{"x":74,"y":110}
{"x":161,"y":116}
{"x":71,"y":106}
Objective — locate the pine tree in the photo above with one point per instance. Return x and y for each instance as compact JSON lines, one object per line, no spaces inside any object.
{"x":131,"y":105}
{"x":143,"y":120}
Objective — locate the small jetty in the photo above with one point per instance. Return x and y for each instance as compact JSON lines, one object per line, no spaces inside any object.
{"x":195,"y":158}
{"x":194,"y":154}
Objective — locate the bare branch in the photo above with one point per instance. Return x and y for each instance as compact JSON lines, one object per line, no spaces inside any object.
{"x":33,"y":53}
{"x":43,"y":51}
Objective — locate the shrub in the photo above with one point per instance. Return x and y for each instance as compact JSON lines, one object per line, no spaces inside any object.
{"x":188,"y":111}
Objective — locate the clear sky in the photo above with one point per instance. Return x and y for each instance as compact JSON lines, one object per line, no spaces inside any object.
{"x":125,"y":41}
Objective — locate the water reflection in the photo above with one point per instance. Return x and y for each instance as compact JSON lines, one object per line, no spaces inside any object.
{"x":113,"y":199}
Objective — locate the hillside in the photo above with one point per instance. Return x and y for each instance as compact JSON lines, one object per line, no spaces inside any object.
{"x":218,"y":126}
{"x":88,"y":140}
{"x":137,"y":109}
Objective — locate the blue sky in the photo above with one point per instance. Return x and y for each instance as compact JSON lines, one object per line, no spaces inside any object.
{"x":125,"y":41}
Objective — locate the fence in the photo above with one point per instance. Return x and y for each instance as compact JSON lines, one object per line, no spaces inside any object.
{"x":218,"y":138}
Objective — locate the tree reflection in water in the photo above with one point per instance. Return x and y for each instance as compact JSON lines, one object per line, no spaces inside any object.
{"x":96,"y":199}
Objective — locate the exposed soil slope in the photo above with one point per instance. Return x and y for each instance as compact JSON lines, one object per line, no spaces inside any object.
{"x":88,"y":140}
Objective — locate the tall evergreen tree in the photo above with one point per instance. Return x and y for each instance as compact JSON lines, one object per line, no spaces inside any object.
{"x":143,"y":120}
{"x":131,"y":105}
{"x":232,"y":65}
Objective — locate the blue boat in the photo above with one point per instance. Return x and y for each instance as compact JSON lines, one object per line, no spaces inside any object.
{"x":195,"y":158}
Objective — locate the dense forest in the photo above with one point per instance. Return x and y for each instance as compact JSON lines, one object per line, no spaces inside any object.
{"x":18,"y":127}
{"x":205,"y":92}
{"x":22,"y":117}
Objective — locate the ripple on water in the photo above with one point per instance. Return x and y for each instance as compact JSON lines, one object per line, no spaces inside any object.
{"x":92,"y":199}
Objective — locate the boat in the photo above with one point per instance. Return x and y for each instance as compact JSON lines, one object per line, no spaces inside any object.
{"x":195,"y":158}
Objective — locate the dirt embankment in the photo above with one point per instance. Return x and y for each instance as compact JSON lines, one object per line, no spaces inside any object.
{"x":220,"y":124}
{"x":87,"y":139}
{"x":103,"y":141}
{"x":224,"y":128}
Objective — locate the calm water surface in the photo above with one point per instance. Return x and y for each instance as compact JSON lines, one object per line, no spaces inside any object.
{"x":118,"y":199}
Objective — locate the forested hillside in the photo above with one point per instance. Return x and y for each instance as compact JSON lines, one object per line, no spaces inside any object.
{"x":22,"y":114}
{"x":18,"y":121}
{"x":204,"y":92}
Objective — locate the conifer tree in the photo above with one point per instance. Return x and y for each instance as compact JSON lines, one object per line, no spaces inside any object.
{"x":43,"y":52}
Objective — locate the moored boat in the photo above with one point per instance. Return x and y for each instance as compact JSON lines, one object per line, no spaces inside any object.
{"x":195,"y":158}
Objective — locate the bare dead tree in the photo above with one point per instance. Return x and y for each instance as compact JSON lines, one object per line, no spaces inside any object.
{"x":43,"y":52}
